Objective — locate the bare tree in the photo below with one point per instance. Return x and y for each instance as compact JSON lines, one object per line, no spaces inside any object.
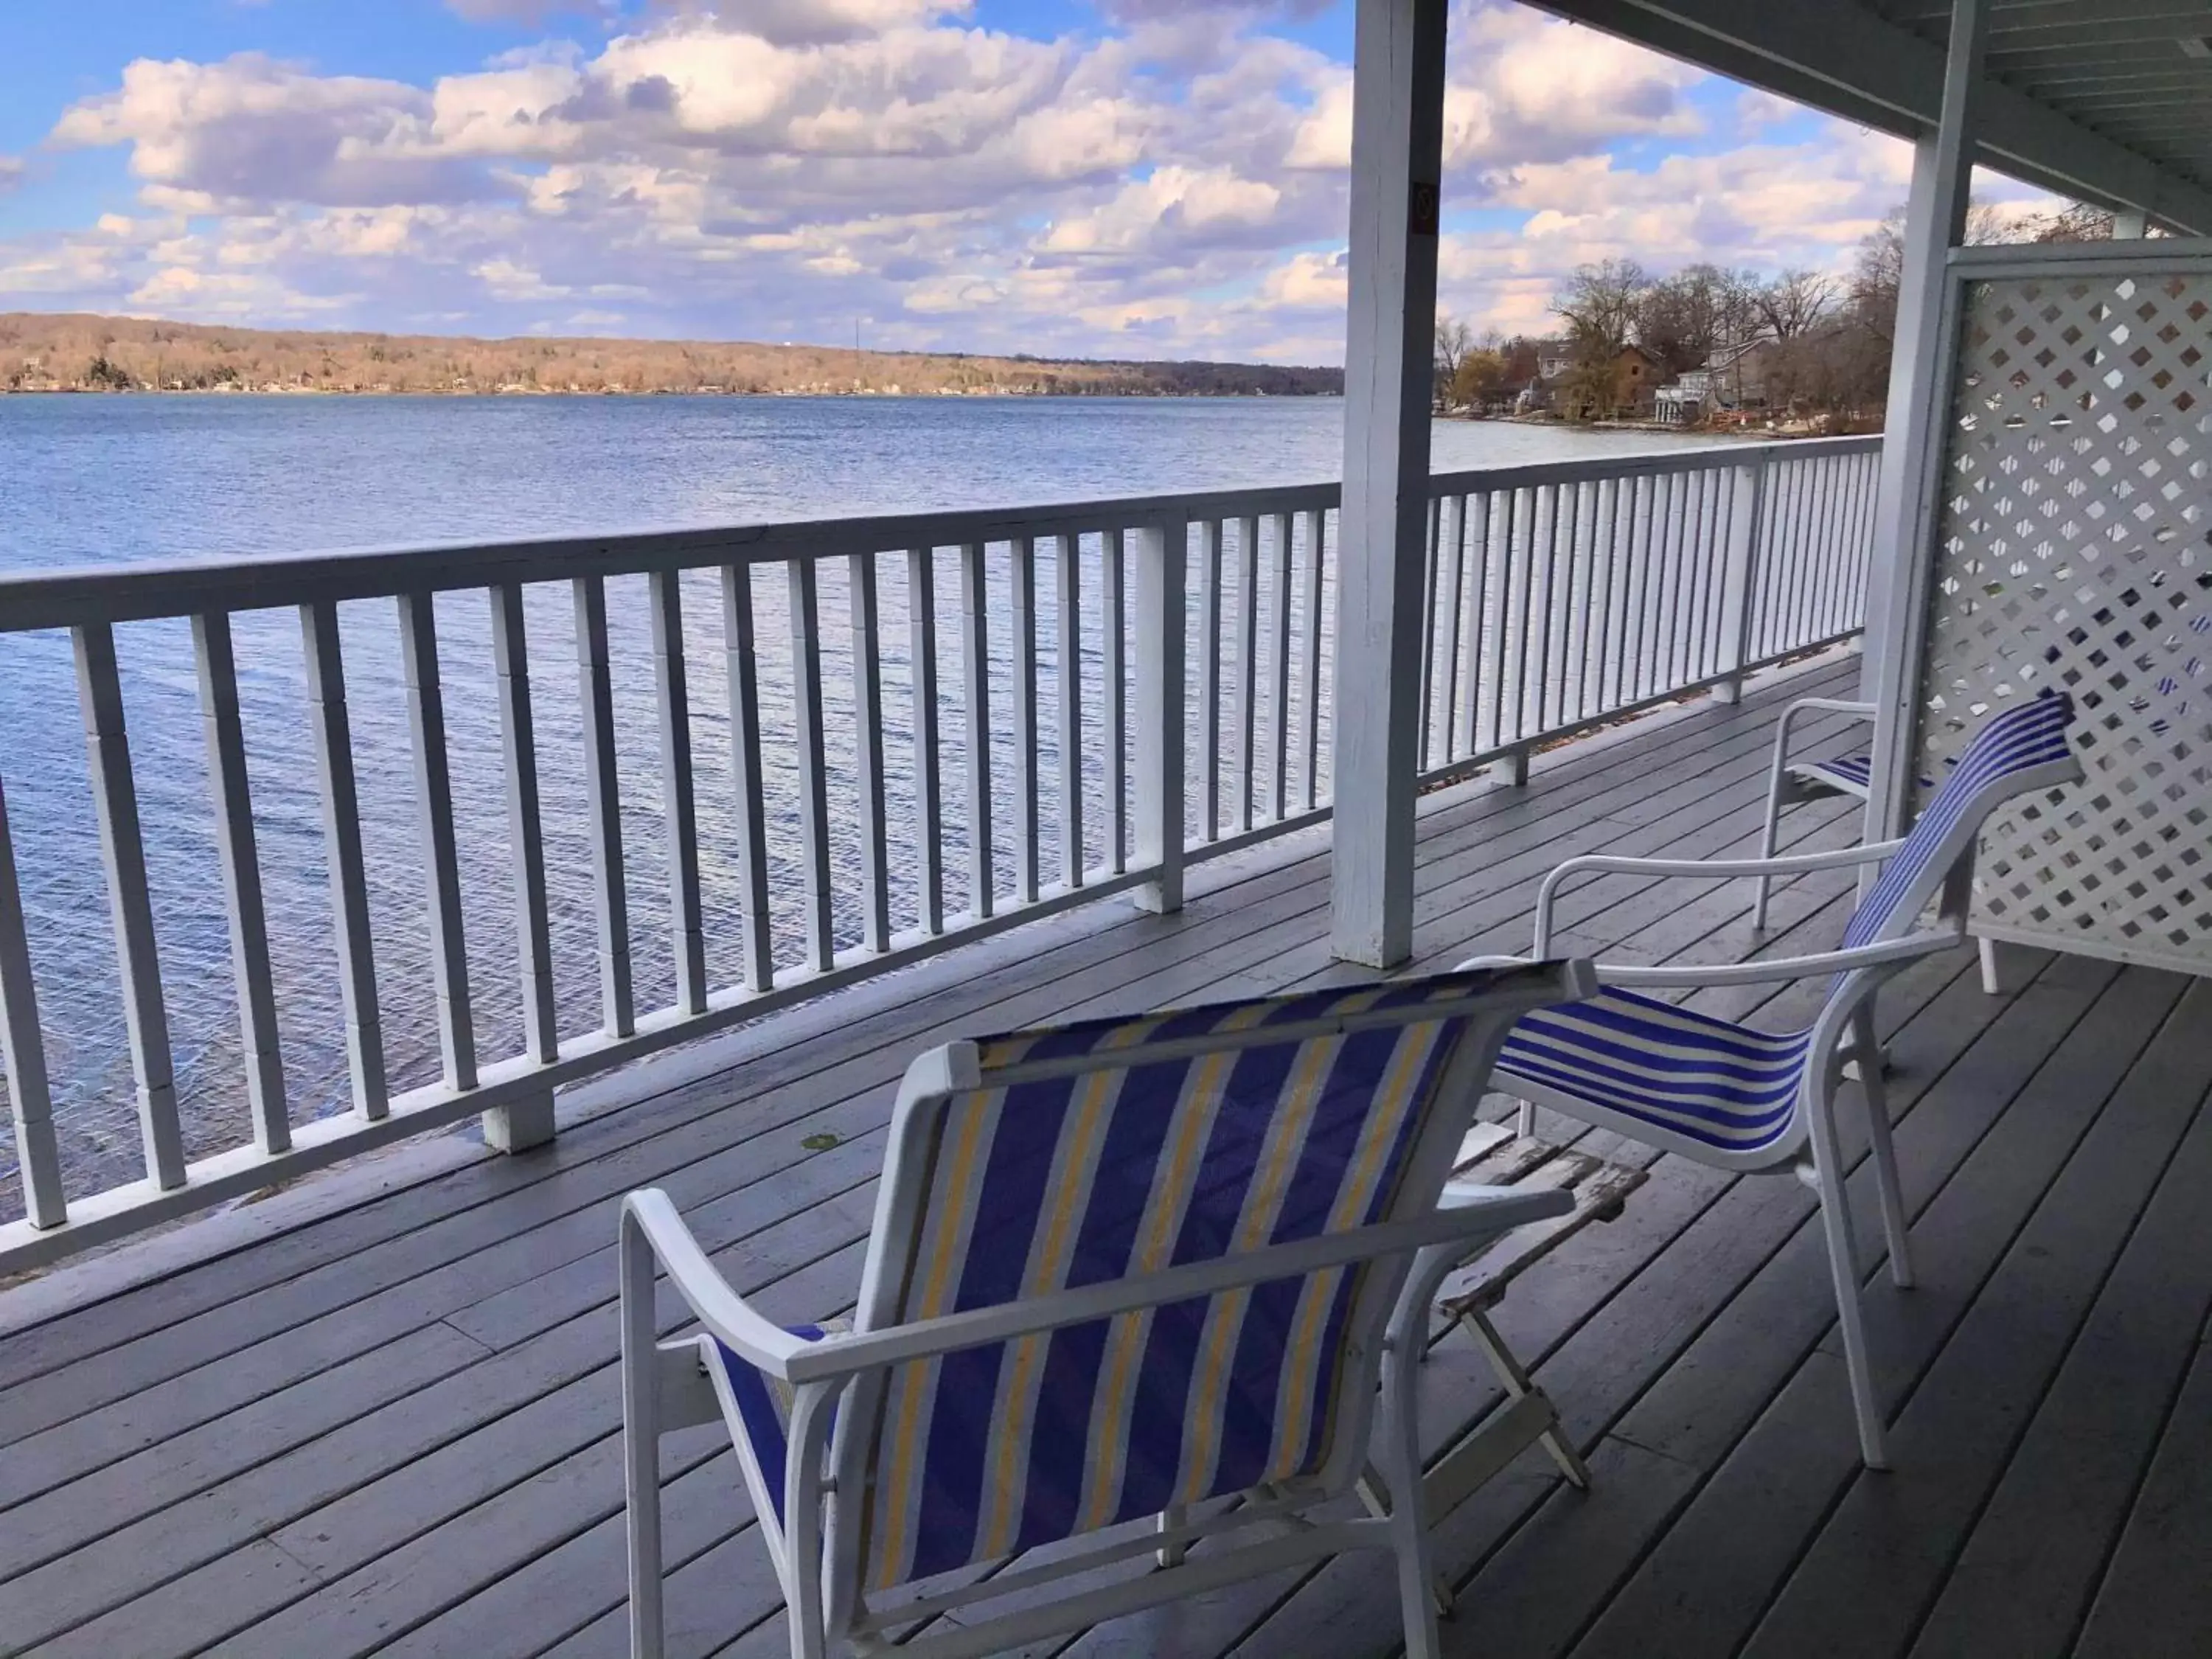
{"x":1600,"y":304}
{"x":1795,"y":303}
{"x":1454,"y":340}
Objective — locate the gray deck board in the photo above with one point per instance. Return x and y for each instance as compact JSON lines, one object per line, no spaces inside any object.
{"x":390,"y":1427}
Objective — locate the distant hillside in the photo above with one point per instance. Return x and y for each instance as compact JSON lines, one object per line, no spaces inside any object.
{"x":80,"y":353}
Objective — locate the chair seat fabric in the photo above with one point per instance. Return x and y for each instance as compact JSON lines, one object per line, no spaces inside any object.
{"x":1708,"y":1078}
{"x":1846,"y":773}
{"x":763,"y":1405}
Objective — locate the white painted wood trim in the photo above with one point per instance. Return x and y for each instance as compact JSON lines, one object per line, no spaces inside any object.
{"x":333,"y":734}
{"x":434,"y":806}
{"x":130,"y":910}
{"x":603,"y":807}
{"x":233,"y":795}
{"x":678,"y":797}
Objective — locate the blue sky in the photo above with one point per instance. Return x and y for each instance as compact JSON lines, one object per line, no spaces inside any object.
{"x":1133,"y":177}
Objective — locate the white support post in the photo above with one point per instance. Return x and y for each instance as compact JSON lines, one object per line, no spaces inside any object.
{"x":1397,"y":144}
{"x":1161,"y":551}
{"x":1920,"y":386}
{"x":2130,"y":225}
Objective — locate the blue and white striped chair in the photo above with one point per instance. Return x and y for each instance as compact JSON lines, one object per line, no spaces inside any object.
{"x":1133,"y":1285}
{"x":1739,"y":1099}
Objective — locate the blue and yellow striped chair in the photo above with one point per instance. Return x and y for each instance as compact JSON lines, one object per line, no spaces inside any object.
{"x":1134,"y":1286}
{"x":1726,"y":1095}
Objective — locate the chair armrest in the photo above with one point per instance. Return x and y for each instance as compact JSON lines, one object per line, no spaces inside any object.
{"x":1709,"y":869}
{"x":758,"y":1340}
{"x":1763,"y":970}
{"x":1484,"y":1213}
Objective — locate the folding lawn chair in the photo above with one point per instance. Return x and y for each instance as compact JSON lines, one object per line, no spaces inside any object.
{"x":1725,"y":1094}
{"x":1134,"y":1286}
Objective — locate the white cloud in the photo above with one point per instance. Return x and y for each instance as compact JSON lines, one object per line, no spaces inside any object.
{"x":1171,"y":179}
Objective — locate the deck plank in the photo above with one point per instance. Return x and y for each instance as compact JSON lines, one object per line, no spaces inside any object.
{"x":2023,"y":1584}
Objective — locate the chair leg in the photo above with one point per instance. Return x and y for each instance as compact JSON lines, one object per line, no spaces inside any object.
{"x":1880,"y":1142}
{"x":641,"y":1440}
{"x":1843,"y":1270}
{"x":1766,"y":834}
{"x":1401,"y":1449}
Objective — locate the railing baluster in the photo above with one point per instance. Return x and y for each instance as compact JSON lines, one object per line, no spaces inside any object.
{"x":241,"y":880}
{"x":806,"y":608}
{"x":1069,"y":603}
{"x":1280,"y":798}
{"x":1161,"y":552}
{"x":678,"y":797}
{"x":929,"y":808}
{"x":1025,"y":720}
{"x":433,"y":801}
{"x":603,"y":806}
{"x":333,"y":729}
{"x":1451,"y":526}
{"x":524,"y":823}
{"x":1424,"y":730}
{"x":1116,"y":677}
{"x":743,"y":659}
{"x":868,"y":755}
{"x":1525,"y":616}
{"x":1316,"y":550}
{"x":1642,"y":525}
{"x":1209,"y":679}
{"x":1248,"y":652}
{"x":1699,"y":573}
{"x":1559,"y":596}
{"x":1474,"y":514}
{"x":1605,"y":553}
{"x":1825,"y":623}
{"x":1501,"y":625}
{"x":976,"y":666}
{"x":23,"y":1049}
{"x":130,"y":910}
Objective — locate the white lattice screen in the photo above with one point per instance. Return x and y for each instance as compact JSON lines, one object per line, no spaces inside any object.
{"x":2075,"y":550}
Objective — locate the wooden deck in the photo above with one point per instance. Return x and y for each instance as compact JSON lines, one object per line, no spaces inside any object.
{"x":383,"y":1417}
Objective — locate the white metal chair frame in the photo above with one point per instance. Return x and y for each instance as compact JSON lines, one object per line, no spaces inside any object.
{"x":1845,"y":1032}
{"x":1787,"y":786}
{"x":835,"y":1383}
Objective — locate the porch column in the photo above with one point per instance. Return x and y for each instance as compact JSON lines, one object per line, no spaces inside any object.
{"x":1397,"y":169}
{"x":1919,"y":381}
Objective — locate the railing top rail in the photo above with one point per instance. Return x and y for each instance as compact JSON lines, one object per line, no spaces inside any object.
{"x":138,"y":592}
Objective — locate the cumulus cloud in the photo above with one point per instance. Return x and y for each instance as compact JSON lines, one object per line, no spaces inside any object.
{"x":1167,"y":178}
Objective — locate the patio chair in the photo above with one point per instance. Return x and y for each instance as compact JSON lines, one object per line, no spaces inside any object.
{"x":1740,"y":1099}
{"x":1133,"y":1286}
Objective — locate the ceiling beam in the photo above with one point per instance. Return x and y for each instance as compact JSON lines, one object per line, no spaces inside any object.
{"x":1844,"y":59}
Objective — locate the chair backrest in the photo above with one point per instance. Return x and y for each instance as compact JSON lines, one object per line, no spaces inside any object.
{"x":1071,"y":1156}
{"x":2021,"y":748}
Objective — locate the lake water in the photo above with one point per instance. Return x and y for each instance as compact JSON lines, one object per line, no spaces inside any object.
{"x":112,"y":479}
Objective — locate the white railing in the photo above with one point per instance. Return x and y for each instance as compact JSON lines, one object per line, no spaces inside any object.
{"x":854,"y":791}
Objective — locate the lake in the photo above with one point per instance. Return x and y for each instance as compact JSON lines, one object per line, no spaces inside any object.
{"x":104,"y":480}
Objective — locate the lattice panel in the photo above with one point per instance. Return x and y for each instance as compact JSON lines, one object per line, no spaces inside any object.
{"x":2075,"y":550}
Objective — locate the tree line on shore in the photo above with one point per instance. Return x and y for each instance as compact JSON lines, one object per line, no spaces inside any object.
{"x":72,"y":352}
{"x":1806,"y":345}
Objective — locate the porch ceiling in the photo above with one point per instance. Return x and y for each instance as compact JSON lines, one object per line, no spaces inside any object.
{"x":2098,"y":100}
